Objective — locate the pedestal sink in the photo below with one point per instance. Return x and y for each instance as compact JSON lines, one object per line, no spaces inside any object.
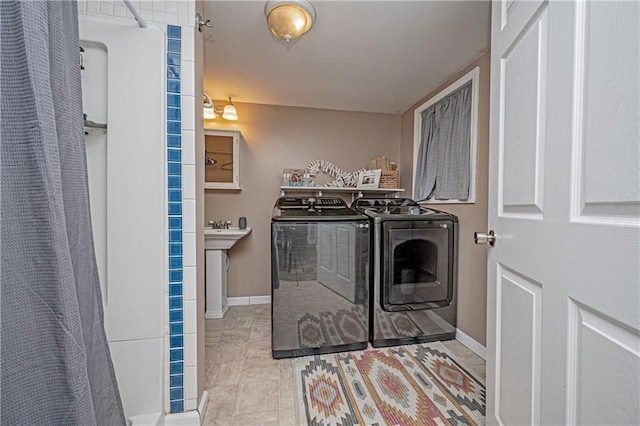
{"x":216,"y":244}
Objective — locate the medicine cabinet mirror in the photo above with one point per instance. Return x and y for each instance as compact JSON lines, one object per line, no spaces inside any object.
{"x":222,"y":159}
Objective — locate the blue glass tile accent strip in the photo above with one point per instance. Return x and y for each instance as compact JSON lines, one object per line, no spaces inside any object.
{"x":176,"y":328}
{"x":175,"y":262}
{"x":173,"y":59}
{"x":173,"y":71}
{"x":174,"y":181}
{"x":174,"y":168}
{"x":174,"y":114}
{"x":176,"y":368}
{"x":173,"y":100}
{"x":177,"y":406}
{"x":175,"y":222}
{"x":175,"y":315}
{"x":175,"y":249}
{"x":175,"y":290}
{"x":175,"y":302}
{"x":173,"y":86}
{"x":174,"y":155}
{"x":175,"y":394}
{"x":174,"y":31}
{"x":175,"y":381}
{"x":174,"y":127}
{"x":175,"y":276}
{"x":173,"y":45}
{"x":174,"y":141}
{"x":176,"y":342}
{"x":173,"y":74}
{"x":175,"y":236}
{"x":175,"y":209}
{"x":176,"y":355}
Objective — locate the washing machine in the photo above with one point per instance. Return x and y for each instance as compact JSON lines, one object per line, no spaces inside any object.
{"x":319,"y":277}
{"x":413,"y":280}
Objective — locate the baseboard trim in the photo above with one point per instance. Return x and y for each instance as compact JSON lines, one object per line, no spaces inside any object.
{"x":248,"y":300}
{"x":260,"y":300}
{"x":216,"y":314}
{"x":470,"y":343}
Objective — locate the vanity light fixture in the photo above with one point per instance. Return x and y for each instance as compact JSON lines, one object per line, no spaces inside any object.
{"x":289,"y":19}
{"x":230,"y":112}
{"x":209,"y":111}
{"x":207,"y":107}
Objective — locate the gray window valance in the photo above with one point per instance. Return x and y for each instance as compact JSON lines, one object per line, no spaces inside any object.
{"x":443,"y":165}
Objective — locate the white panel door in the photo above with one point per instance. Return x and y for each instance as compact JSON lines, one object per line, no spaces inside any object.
{"x":563,"y":333}
{"x":336,"y":258}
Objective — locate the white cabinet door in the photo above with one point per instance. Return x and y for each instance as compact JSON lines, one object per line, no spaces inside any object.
{"x":563,"y":277}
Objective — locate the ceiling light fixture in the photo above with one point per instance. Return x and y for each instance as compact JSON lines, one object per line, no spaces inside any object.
{"x":209,"y":111}
{"x":289,"y":19}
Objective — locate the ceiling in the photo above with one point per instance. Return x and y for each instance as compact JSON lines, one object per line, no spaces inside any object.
{"x":369,"y":56}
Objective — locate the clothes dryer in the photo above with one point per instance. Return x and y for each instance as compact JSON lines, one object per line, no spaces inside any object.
{"x":413,"y":272}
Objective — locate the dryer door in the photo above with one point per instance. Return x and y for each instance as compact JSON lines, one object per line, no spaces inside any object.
{"x":417,"y":265}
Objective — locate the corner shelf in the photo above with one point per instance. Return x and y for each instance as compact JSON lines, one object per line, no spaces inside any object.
{"x":355,"y":192}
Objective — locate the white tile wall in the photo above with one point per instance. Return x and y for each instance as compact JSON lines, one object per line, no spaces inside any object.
{"x":189,"y":249}
{"x":189,"y":215}
{"x":171,"y":7}
{"x":188,"y":112}
{"x":190,"y":350}
{"x":190,"y":317}
{"x":158,"y":6}
{"x":176,"y":12}
{"x":191,"y":376}
{"x":188,"y":143}
{"x":188,"y":180}
{"x":120,"y":10}
{"x":158,"y":17}
{"x":190,"y":404}
{"x":188,"y":44}
{"x":183,"y":8}
{"x":106,"y":8}
{"x":188,"y":73}
{"x":189,"y":286}
{"x":93,"y":7}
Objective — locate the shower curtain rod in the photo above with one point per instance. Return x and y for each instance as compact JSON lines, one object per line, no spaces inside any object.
{"x":136,"y":15}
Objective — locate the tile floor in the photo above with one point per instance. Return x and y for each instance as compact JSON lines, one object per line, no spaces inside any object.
{"x":248,"y":387}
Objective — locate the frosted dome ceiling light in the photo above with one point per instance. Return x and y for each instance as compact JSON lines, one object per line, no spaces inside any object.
{"x":289,"y":19}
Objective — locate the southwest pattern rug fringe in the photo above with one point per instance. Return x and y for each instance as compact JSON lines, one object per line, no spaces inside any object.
{"x":406,"y":385}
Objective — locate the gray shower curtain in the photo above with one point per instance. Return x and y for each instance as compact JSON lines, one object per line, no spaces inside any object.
{"x":443,"y":168}
{"x":56,"y":367}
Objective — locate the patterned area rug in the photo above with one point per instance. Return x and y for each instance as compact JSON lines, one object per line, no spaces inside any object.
{"x":392,"y":325}
{"x":405,"y":385}
{"x":332,"y":328}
